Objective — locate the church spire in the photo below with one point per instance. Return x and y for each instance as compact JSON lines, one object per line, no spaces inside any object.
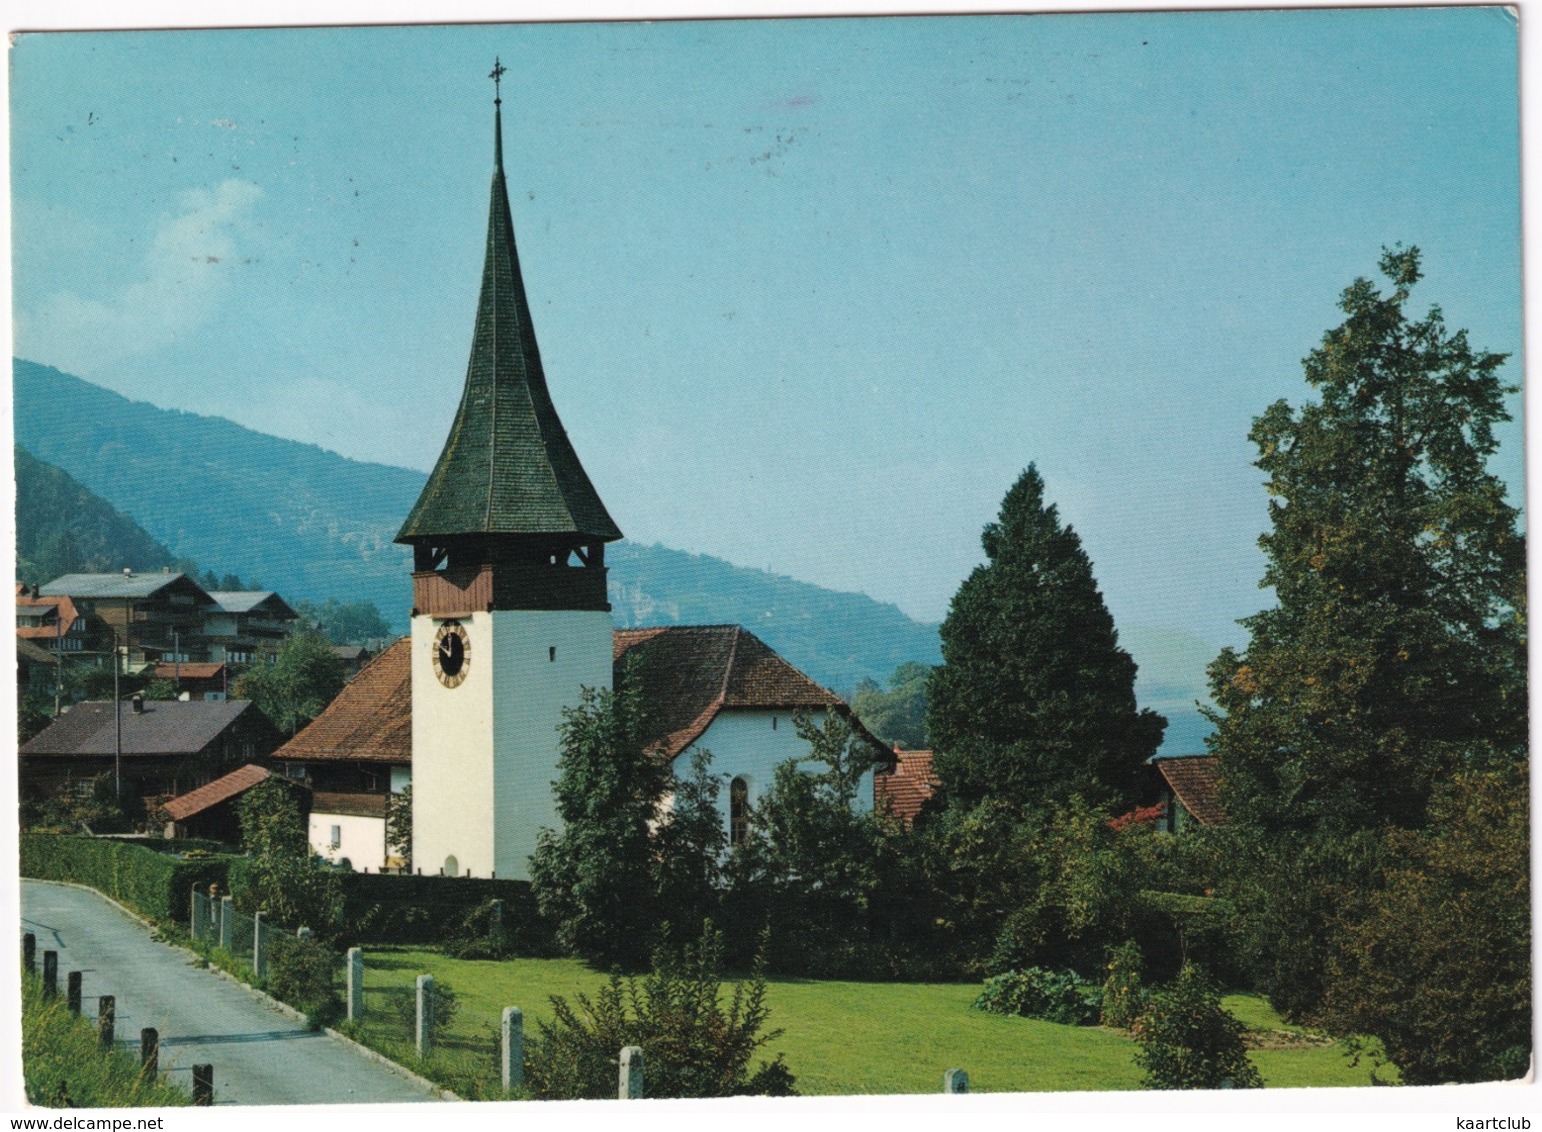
{"x":508,"y":473}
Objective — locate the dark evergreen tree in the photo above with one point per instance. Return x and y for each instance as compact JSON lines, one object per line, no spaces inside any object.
{"x":1035,"y":700}
{"x":1394,"y":655}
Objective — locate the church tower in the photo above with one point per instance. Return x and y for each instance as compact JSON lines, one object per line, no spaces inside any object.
{"x":510,"y":616}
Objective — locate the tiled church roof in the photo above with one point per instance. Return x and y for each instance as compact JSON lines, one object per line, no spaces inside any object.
{"x":369,"y":721}
{"x":1195,"y":782}
{"x":689,"y":674}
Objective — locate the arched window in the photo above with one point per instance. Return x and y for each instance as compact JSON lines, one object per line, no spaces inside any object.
{"x":738,"y":811}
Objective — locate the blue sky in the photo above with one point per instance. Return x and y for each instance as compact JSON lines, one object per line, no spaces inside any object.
{"x":810,"y":294}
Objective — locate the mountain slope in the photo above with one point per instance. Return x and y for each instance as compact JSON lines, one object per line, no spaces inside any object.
{"x":62,"y":528}
{"x":312,"y":525}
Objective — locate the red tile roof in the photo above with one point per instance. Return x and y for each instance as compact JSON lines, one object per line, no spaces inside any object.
{"x":67,"y":615}
{"x":1195,"y":780}
{"x":369,"y":721}
{"x":1140,"y":815}
{"x":237,"y":782}
{"x":690,"y":673}
{"x":908,"y":787}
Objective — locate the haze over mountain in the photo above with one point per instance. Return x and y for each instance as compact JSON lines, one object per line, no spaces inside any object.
{"x":312,"y":525}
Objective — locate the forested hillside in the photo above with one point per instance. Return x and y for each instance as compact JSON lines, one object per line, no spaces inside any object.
{"x":63,"y":528}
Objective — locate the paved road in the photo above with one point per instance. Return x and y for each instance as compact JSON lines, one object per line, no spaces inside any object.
{"x":259,"y":1056}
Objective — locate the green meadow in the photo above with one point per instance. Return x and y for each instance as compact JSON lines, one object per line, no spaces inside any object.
{"x":838,"y":1037}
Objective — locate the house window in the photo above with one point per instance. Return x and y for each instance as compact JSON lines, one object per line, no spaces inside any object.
{"x":551,"y":653}
{"x":336,"y":839}
{"x":295,"y":771}
{"x":738,"y":811}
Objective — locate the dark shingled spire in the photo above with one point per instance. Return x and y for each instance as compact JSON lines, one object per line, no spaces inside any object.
{"x":507,"y":467}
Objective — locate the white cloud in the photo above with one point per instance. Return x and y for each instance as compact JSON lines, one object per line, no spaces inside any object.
{"x":182,"y":278}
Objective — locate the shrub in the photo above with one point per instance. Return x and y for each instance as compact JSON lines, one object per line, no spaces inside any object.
{"x":301,"y":973}
{"x":1054,"y":996}
{"x":692,"y":1045}
{"x":1187,"y":1041}
{"x":1124,"y":995}
{"x":482,"y":935}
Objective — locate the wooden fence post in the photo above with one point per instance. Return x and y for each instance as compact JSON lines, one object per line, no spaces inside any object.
{"x":259,"y":953}
{"x":630,"y":1087}
{"x":29,"y":952}
{"x":72,"y":992}
{"x":203,"y":1085}
{"x":50,"y":974}
{"x":106,"y":1020}
{"x":149,"y":1053}
{"x":227,"y":926}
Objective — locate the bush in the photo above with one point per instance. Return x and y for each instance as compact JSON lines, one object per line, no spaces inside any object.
{"x":1124,"y":995}
{"x":692,"y":1046}
{"x":482,"y":934}
{"x":301,"y":973}
{"x":1054,"y":996}
{"x":1187,"y":1041}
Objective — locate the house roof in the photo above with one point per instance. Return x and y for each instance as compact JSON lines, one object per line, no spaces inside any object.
{"x":248,"y":601}
{"x":164,"y":727}
{"x":122,"y":586}
{"x":1195,"y":781}
{"x":36,"y":654}
{"x":188,"y":670}
{"x":61,"y":607}
{"x":691,"y":673}
{"x":222,"y":789}
{"x":369,"y":721}
{"x":507,"y":467}
{"x":348,"y":805}
{"x":906,"y":788}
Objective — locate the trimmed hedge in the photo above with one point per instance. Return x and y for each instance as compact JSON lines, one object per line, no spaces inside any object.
{"x":154,"y":884}
{"x":382,"y":907}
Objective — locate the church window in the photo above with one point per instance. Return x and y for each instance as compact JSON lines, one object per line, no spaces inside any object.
{"x":336,"y":839}
{"x":773,"y":723}
{"x":738,"y":811}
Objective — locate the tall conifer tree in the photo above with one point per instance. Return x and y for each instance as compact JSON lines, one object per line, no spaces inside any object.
{"x":1035,"y":700}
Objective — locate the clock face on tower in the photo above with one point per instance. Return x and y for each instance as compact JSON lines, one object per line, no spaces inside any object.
{"x":452,"y":654}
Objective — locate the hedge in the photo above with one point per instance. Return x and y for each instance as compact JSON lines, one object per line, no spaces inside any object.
{"x":154,"y":884}
{"x":386,"y":908}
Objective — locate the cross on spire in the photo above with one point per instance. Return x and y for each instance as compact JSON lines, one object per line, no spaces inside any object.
{"x":497,"y":76}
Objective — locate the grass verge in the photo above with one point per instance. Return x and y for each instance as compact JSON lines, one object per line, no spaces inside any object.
{"x":65,"y":1067}
{"x":840,"y":1038}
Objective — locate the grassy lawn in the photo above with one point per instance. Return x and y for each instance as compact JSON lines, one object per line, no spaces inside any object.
{"x":839,"y":1037}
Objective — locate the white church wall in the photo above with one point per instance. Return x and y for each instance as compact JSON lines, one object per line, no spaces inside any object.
{"x":452,"y":753}
{"x":751,"y":745}
{"x":360,"y":839}
{"x":544,"y":659}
